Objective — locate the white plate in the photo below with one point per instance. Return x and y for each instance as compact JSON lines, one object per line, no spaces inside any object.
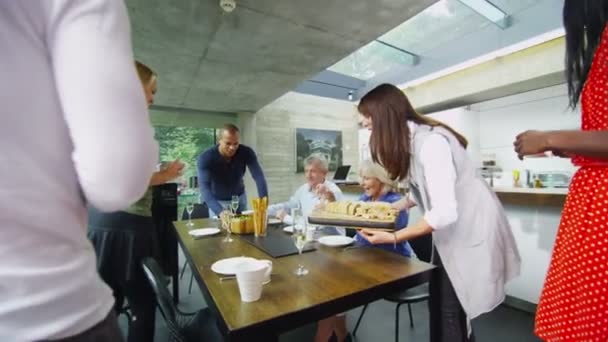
{"x":203,"y":232}
{"x":288,"y":229}
{"x":229,"y":266}
{"x":247,"y":212}
{"x":272,"y":220}
{"x":336,"y":240}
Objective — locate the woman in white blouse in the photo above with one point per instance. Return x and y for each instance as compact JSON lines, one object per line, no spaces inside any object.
{"x":474,"y":248}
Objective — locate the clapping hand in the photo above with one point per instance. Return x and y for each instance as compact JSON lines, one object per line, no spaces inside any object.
{"x":174,"y":169}
{"x":281,"y":214}
{"x":320,"y":205}
{"x":324,"y":192}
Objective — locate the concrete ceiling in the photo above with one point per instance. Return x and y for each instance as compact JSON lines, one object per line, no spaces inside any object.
{"x":212,"y":61}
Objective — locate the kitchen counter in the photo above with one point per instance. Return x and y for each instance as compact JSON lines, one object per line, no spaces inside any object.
{"x":555,"y":191}
{"x":542,"y":197}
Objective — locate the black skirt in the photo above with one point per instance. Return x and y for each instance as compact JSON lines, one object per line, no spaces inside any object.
{"x":121,"y":241}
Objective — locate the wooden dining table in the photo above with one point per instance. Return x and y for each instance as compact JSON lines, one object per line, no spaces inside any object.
{"x":338,"y":280}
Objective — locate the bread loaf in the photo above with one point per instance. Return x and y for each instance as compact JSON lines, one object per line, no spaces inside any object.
{"x":368,"y":210}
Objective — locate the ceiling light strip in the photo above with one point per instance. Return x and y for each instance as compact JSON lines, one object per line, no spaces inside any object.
{"x":488,"y":11}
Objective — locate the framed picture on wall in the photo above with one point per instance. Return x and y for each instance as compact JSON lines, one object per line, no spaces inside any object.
{"x":319,"y":142}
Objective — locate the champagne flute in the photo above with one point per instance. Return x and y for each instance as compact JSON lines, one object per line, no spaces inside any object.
{"x":226,"y":219}
{"x":189,"y":210}
{"x":299,"y":238}
{"x":234,"y":204}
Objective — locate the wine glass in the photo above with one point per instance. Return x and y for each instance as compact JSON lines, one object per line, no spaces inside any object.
{"x":189,"y":210}
{"x":226,"y":219}
{"x":234,"y":204}
{"x":299,"y":238}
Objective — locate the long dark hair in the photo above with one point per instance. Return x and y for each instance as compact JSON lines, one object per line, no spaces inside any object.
{"x":390,"y":110}
{"x":584,"y":21}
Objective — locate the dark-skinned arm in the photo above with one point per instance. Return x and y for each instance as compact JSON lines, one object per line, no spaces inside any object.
{"x":575,"y":142}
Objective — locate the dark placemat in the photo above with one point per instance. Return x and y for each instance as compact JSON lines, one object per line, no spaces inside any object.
{"x":276,"y":243}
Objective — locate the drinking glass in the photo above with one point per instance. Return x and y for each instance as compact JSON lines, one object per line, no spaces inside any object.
{"x":234,"y":204}
{"x":189,"y":210}
{"x":299,"y":238}
{"x":226,"y":219}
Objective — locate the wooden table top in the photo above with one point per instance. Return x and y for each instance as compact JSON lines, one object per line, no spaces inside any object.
{"x":338,"y":281}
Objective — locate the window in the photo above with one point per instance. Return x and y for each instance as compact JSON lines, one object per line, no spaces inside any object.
{"x":185,"y":144}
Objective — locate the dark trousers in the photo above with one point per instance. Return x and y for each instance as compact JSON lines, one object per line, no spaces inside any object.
{"x":142,"y":303}
{"x":448,"y":320}
{"x":121,"y":241}
{"x":104,"y":331}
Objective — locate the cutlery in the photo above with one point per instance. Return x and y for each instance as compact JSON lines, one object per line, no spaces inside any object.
{"x":352,"y":247}
{"x":232,"y":277}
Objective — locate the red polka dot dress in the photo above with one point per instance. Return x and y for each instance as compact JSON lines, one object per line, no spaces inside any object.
{"x":574,"y":302}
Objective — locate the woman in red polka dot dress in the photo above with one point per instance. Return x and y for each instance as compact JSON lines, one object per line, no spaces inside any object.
{"x":574,"y":301}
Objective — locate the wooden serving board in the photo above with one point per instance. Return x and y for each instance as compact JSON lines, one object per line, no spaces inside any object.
{"x":348,"y":221}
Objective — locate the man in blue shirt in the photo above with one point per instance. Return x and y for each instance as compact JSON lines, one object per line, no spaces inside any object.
{"x":221,"y":169}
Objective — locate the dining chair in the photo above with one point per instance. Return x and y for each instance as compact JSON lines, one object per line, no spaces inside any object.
{"x":201,"y":210}
{"x":423,"y":248}
{"x":125,"y":310}
{"x":183,"y":327}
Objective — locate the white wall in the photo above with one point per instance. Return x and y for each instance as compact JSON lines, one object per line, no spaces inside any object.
{"x":501,"y":120}
{"x":491,"y":127}
{"x":465,"y":122}
{"x":534,"y":228}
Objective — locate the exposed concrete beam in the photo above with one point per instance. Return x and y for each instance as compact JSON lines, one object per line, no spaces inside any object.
{"x":537,"y":67}
{"x":176,"y":116}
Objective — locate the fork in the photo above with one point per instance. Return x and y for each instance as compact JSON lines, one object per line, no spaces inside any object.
{"x":351,"y":247}
{"x":232,"y":277}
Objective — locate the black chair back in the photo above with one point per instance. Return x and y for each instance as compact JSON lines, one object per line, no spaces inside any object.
{"x":200,"y":211}
{"x":163,"y":296}
{"x":164,"y":213}
{"x":423,"y":247}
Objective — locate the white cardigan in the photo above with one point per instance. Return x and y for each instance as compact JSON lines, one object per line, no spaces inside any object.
{"x":478,"y":250}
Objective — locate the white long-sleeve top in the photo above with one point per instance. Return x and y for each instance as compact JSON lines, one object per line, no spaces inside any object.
{"x":74,"y":128}
{"x":440,"y":178}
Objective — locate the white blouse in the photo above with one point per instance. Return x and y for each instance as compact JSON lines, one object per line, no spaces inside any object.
{"x":440,"y":177}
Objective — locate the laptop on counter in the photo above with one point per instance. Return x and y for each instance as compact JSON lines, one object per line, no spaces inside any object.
{"x":341,"y":174}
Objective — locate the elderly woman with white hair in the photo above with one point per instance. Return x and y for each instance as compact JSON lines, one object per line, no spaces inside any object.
{"x":379,"y":187}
